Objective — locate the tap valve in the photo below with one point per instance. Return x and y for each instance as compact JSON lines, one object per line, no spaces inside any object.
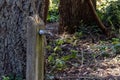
{"x":45,"y":32}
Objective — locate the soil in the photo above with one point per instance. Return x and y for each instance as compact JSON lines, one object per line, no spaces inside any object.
{"x":92,"y":61}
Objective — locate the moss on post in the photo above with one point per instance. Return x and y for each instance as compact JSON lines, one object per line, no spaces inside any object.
{"x":35,"y":50}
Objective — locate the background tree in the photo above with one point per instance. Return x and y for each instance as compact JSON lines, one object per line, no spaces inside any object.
{"x":14,"y":16}
{"x":45,"y":9}
{"x":73,"y":12}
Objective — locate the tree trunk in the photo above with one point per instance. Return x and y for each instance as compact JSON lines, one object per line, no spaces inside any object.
{"x":13,"y":22}
{"x":46,"y":8}
{"x":99,"y":22}
{"x":72,"y":13}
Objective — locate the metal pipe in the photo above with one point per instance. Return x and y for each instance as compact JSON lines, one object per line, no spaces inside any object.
{"x":45,"y":32}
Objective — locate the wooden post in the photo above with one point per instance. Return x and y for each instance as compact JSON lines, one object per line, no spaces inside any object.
{"x":35,"y":51}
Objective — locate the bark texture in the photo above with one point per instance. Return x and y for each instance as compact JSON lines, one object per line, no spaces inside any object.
{"x":13,"y":22}
{"x":72,"y":12}
{"x":99,"y":22}
{"x":46,"y":7}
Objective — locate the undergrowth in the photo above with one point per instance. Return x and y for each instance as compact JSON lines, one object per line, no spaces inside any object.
{"x":69,"y":51}
{"x":53,"y":12}
{"x":109,"y":12}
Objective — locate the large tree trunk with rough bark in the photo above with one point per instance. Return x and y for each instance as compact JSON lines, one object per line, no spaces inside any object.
{"x":72,"y":13}
{"x":14,"y":18}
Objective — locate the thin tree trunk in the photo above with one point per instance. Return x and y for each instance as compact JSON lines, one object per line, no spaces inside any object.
{"x":13,"y":22}
{"x":100,"y":24}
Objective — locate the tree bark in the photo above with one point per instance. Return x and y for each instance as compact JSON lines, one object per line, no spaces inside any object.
{"x":13,"y":22}
{"x":99,"y":22}
{"x":46,"y":8}
{"x":72,"y":13}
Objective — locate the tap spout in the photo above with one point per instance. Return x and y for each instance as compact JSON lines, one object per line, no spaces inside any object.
{"x":45,"y":32}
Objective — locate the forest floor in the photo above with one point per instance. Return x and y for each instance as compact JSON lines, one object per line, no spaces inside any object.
{"x":82,"y":56}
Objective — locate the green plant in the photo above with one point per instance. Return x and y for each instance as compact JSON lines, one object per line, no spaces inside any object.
{"x":59,"y":42}
{"x":11,"y":77}
{"x":53,"y":14}
{"x":115,"y":41}
{"x":51,"y":58}
{"x":70,"y":56}
{"x":5,"y":78}
{"x":100,"y":14}
{"x":48,"y":47}
{"x":57,"y":49}
{"x":59,"y":63}
{"x":56,"y":62}
{"x":109,"y":13}
{"x":116,"y":45}
{"x":79,"y":34}
{"x":109,"y":48}
{"x":49,"y":76}
{"x":112,"y":15}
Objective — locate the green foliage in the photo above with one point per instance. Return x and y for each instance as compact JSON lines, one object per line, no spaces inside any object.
{"x":53,"y":14}
{"x":5,"y":78}
{"x":59,"y":42}
{"x":49,"y":77}
{"x":70,"y":56}
{"x":51,"y":58}
{"x":11,"y":77}
{"x":48,"y":47}
{"x":112,"y":15}
{"x":79,"y":34}
{"x":56,"y":62}
{"x":109,"y":12}
{"x":115,"y":41}
{"x":100,"y":14}
{"x":74,"y":53}
{"x":116,"y":45}
{"x":57,"y":49}
{"x":109,"y":48}
{"x":59,"y":63}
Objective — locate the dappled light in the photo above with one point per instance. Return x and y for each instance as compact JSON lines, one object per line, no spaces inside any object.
{"x":81,"y":58}
{"x":59,"y":39}
{"x":88,"y":53}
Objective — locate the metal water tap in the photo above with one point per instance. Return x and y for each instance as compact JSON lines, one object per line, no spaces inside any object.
{"x":45,"y":32}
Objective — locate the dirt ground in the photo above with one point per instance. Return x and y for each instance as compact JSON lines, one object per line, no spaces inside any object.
{"x":91,"y":63}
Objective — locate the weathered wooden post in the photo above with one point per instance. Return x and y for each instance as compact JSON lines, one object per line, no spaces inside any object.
{"x":35,"y":49}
